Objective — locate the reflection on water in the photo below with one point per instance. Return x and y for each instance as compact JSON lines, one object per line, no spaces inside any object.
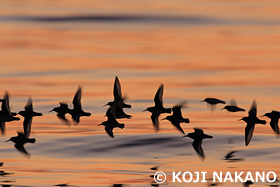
{"x":198,"y":50}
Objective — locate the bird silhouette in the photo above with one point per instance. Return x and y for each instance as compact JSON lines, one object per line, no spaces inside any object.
{"x":61,"y":111}
{"x":233,"y":107}
{"x":118,"y":95}
{"x":111,"y":122}
{"x":154,"y":168}
{"x":20,"y":140}
{"x":176,"y":118}
{"x":5,"y":114}
{"x":251,"y":121}
{"x":198,"y":135}
{"x":274,"y":116}
{"x":158,"y":108}
{"x":230,"y":157}
{"x":212,"y":102}
{"x":77,"y":111}
{"x":28,"y":115}
{"x":119,"y":101}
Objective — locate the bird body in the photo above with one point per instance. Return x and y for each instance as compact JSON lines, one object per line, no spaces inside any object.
{"x":5,"y":114}
{"x":77,"y":111}
{"x":28,"y":115}
{"x":20,"y":140}
{"x":198,"y":135}
{"x":213,"y":101}
{"x":274,"y":116}
{"x":111,"y":123}
{"x":176,"y":118}
{"x":251,"y":120}
{"x":158,"y":108}
{"x":233,"y":107}
{"x":61,"y":111}
{"x":119,"y":101}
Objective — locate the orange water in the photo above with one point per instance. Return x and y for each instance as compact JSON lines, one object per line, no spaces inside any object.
{"x":197,"y":49}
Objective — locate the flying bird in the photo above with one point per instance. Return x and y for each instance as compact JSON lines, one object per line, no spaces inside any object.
{"x":77,"y":111}
{"x":5,"y":114}
{"x":251,"y":121}
{"x":213,"y":102}
{"x":28,"y":115}
{"x":198,"y":135}
{"x":274,"y":116}
{"x":20,"y":140}
{"x":111,"y":122}
{"x":119,"y":101}
{"x":61,"y":111}
{"x":118,"y":98}
{"x":233,"y":107}
{"x":158,"y":108}
{"x":176,"y":118}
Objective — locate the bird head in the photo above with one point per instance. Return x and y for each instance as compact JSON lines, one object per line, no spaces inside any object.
{"x":243,"y":119}
{"x":150,"y":109}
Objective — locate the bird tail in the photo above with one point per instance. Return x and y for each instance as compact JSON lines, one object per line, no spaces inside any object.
{"x":32,"y":140}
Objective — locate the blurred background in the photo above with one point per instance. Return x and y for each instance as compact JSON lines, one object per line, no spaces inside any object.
{"x":197,"y":49}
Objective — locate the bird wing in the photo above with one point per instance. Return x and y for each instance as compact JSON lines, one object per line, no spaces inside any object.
{"x":62,"y":116}
{"x":109,"y":131}
{"x":27,"y":126}
{"x":64,"y":106}
{"x":155,"y":121}
{"x":117,"y":90}
{"x":158,"y":97}
{"x":77,"y":99}
{"x":253,"y":109}
{"x":2,"y":126}
{"x":233,"y":102}
{"x":76,"y":117}
{"x":249,"y":132}
{"x":21,"y":148}
{"x":197,"y":147}
{"x":29,"y":106}
{"x":178,"y":126}
{"x":230,"y":154}
{"x":177,"y":113}
{"x":5,"y":105}
{"x":274,"y":124}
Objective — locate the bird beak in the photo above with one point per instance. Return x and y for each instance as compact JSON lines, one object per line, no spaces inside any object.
{"x":202,"y":101}
{"x":263,"y":115}
{"x":163,"y":119}
{"x":145,"y":110}
{"x":239,"y":120}
{"x":7,"y":141}
{"x":105,"y":105}
{"x":51,"y":110}
{"x":184,"y":136}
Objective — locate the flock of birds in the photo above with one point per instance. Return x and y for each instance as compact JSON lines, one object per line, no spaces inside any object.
{"x":115,"y":111}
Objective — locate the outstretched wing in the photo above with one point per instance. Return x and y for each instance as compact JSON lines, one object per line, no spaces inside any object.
{"x":77,"y":99}
{"x":158,"y":97}
{"x":155,"y":121}
{"x":274,"y":124}
{"x":253,"y":109}
{"x":177,"y":109}
{"x":29,"y":106}
{"x":249,"y":132}
{"x":109,"y":131}
{"x":5,"y":104}
{"x":178,"y":126}
{"x":117,"y":90}
{"x":197,"y":147}
{"x":27,"y":126}
{"x":21,"y":149}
